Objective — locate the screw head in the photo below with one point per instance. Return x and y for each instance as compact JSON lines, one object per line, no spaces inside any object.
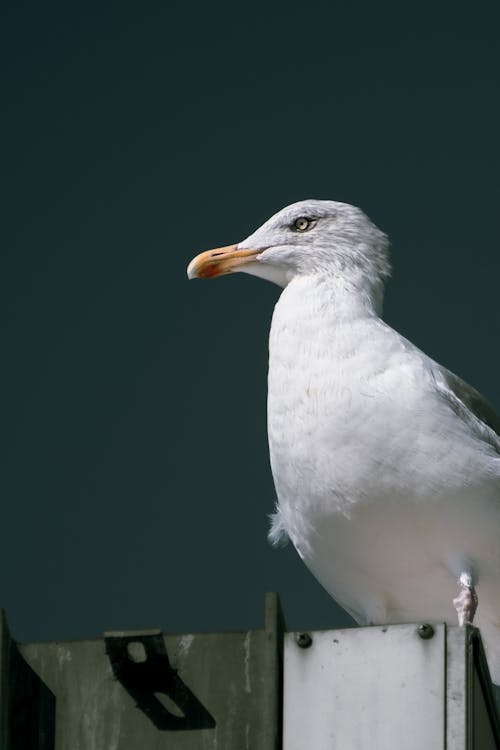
{"x":425,"y":631}
{"x":304,"y":640}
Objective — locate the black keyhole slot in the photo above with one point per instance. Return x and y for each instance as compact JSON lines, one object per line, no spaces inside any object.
{"x":169,"y":705}
{"x":136,"y":652}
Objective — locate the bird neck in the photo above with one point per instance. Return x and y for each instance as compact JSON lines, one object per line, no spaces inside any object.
{"x":337,"y":298}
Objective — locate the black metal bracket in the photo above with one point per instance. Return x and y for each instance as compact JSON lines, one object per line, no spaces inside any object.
{"x":140,"y":663}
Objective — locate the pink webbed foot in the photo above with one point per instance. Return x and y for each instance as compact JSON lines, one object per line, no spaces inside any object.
{"x":466,"y":601}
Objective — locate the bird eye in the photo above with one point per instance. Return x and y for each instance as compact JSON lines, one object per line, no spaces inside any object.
{"x":302,"y":224}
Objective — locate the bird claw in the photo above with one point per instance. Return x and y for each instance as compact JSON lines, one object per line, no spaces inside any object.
{"x":466,"y":602}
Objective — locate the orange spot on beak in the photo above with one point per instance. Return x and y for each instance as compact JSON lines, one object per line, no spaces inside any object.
{"x":219,"y":261}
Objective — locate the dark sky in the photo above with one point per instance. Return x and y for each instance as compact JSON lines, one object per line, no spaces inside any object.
{"x":136,"y":482}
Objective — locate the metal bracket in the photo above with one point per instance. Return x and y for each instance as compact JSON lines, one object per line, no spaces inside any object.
{"x":140,"y":663}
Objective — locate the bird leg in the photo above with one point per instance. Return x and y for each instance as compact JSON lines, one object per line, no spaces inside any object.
{"x":466,"y":601}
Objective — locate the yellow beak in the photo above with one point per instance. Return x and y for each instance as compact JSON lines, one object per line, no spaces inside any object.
{"x":219,"y":261}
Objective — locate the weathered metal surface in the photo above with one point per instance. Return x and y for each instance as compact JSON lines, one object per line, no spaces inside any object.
{"x":472,"y":718}
{"x":387,"y":688}
{"x":27,"y":706}
{"x":152,"y":691}
{"x":381,"y":688}
{"x":378,"y":688}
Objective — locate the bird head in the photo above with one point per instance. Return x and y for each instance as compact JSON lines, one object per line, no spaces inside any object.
{"x":311,"y":237}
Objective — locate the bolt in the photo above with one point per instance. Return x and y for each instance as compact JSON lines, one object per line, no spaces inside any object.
{"x":425,"y":631}
{"x":304,"y":640}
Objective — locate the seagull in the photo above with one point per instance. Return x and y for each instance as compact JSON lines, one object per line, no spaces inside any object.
{"x":386,"y":464}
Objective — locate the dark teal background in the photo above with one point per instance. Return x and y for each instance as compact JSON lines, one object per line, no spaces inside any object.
{"x":135,"y":470}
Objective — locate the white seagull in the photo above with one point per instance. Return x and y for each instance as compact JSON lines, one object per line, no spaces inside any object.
{"x":386,"y":464}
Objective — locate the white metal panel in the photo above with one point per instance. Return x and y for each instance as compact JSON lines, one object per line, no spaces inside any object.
{"x":379,"y":688}
{"x":457,"y":699}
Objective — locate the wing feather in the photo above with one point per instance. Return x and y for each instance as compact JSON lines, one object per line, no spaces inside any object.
{"x":470,"y":405}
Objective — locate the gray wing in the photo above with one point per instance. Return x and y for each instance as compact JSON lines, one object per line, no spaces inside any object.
{"x":470,"y":405}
